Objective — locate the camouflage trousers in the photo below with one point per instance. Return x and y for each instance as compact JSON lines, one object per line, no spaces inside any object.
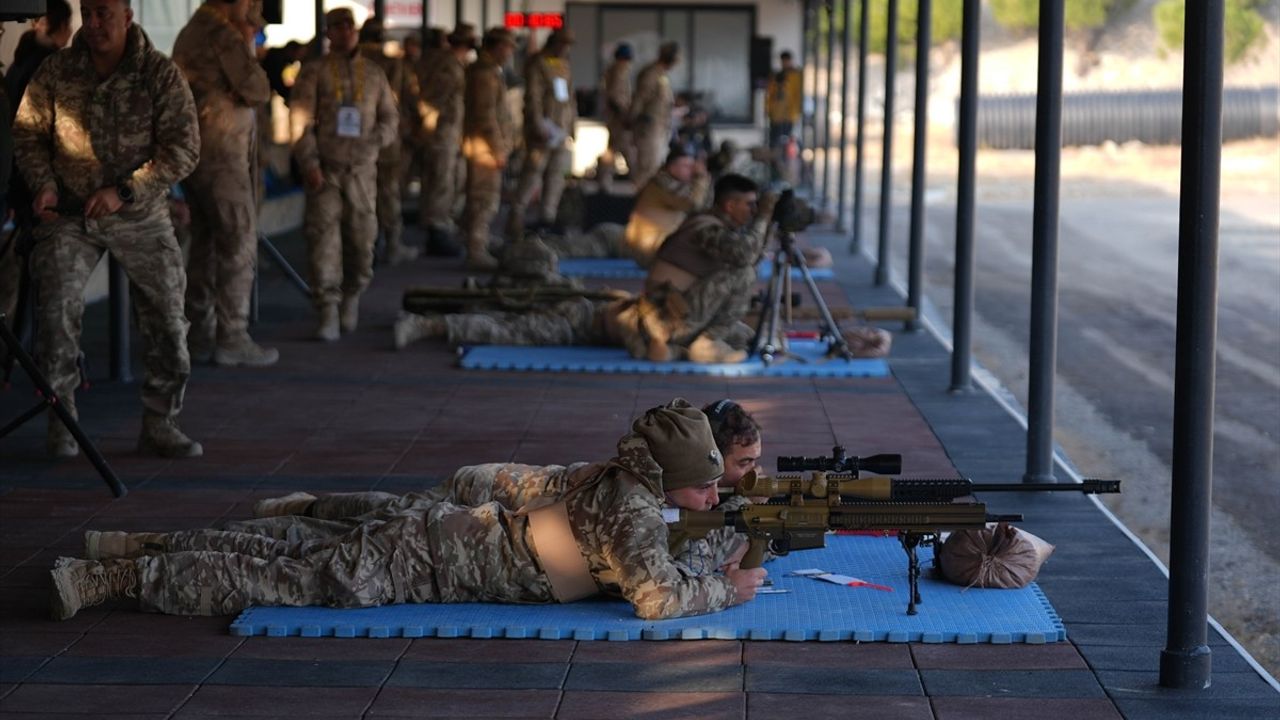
{"x":572,"y":322}
{"x":442,"y":553}
{"x":341,"y":227}
{"x":543,"y":168}
{"x":714,"y":307}
{"x":440,"y":167}
{"x":390,"y":212}
{"x":223,"y":252}
{"x":606,"y":240}
{"x":66,"y":251}
{"x":484,"y":190}
{"x":650,"y":151}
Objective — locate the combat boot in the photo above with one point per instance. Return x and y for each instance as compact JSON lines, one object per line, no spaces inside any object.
{"x":349,"y":316}
{"x":161,"y":436}
{"x":110,"y":545}
{"x":295,"y":503}
{"x":200,"y":342}
{"x":412,"y":327}
{"x":327,"y":329}
{"x":481,"y":260}
{"x":706,"y":350}
{"x":59,"y":440}
{"x":398,"y":252}
{"x":244,"y":351}
{"x":78,"y":584}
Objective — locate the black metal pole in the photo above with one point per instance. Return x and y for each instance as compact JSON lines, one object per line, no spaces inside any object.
{"x":864,"y":19}
{"x":457,"y":12}
{"x":915,"y":258}
{"x":806,"y":22}
{"x":846,"y":21}
{"x":1186,"y":660}
{"x":317,"y":50}
{"x":118,"y":312}
{"x":811,"y":140}
{"x":962,"y":304}
{"x":886,"y":166}
{"x":380,"y":9}
{"x":1044,"y":246}
{"x":826,"y":102}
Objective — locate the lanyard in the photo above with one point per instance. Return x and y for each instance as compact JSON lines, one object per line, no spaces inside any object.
{"x":357,"y":79}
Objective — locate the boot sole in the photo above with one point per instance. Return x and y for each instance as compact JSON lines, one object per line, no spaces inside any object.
{"x":58,"y":608}
{"x":222,"y":361}
{"x":194,"y":450}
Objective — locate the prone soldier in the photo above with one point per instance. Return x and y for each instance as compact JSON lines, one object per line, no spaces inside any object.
{"x":651,"y":113}
{"x":104,"y":130}
{"x":342,"y":114}
{"x":488,"y":135}
{"x":609,"y":513}
{"x":215,"y":54}
{"x":442,"y":84}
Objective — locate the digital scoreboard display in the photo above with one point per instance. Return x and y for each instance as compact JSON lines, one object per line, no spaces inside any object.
{"x":536,"y":20}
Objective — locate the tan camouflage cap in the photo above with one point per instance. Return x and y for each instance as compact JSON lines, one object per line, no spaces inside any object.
{"x":339,"y":15}
{"x":495,"y":36}
{"x":680,"y":439}
{"x":463,"y":36}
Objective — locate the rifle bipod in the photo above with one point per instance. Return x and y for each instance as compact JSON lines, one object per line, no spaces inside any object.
{"x":910,"y":541}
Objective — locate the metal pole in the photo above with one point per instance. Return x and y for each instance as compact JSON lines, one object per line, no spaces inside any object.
{"x":962,"y":304}
{"x":1186,"y":660}
{"x":457,"y":12}
{"x":886,"y":167}
{"x":380,"y":9}
{"x":846,"y":20}
{"x":864,"y":19}
{"x":915,"y":258}
{"x":1044,"y":247}
{"x":811,"y":141}
{"x":826,"y":101}
{"x":318,"y":49}
{"x":805,"y":61}
{"x":118,"y":311}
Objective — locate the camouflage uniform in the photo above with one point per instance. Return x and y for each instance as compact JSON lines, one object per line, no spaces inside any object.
{"x":341,"y":225}
{"x":76,"y":134}
{"x":389,"y":203}
{"x":651,"y":120}
{"x":548,"y":100}
{"x":572,"y":322}
{"x":617,"y":95}
{"x":444,"y":552}
{"x":661,"y":205}
{"x":488,"y":134}
{"x":442,"y":82}
{"x":227,"y":83}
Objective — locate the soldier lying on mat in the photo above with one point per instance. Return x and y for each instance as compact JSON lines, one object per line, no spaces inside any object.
{"x":601,"y":531}
{"x":696,"y":295}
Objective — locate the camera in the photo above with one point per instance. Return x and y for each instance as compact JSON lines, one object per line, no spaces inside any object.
{"x":791,"y":213}
{"x":839,"y":462}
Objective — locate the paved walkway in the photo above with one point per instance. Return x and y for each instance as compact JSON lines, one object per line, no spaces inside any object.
{"x":356,"y":415}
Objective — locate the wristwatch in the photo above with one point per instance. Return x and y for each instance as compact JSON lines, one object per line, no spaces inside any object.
{"x":124,"y":191}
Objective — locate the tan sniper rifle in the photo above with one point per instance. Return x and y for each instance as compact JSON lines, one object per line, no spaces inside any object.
{"x":802,"y":510}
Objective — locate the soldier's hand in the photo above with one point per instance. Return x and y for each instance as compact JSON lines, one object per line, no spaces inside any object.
{"x":314,"y":179}
{"x":745,"y":582}
{"x":45,"y":203}
{"x":767,"y":203}
{"x":105,"y":201}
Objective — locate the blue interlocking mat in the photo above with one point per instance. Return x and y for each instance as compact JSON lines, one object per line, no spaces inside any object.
{"x":591,"y":359}
{"x":810,"y":610}
{"x":626,"y":268}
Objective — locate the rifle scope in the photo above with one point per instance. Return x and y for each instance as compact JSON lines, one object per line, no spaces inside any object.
{"x":839,"y":462}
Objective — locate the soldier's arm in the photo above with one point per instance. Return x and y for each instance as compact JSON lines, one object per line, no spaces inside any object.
{"x":489,"y":99}
{"x":302,"y":113}
{"x":175,"y":133}
{"x":245,"y":75}
{"x":388,"y":128}
{"x":687,"y":197}
{"x":731,"y":248}
{"x":535,"y":95}
{"x":646,"y":91}
{"x":650,"y":579}
{"x":33,"y":132}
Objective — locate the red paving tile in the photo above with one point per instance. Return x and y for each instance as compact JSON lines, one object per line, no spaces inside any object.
{"x":1054,"y":656}
{"x":277,"y":702}
{"x":790,"y":706}
{"x":97,"y":700}
{"x":886,"y":656}
{"x":34,"y":644}
{"x":475,"y":651}
{"x":655,"y":706}
{"x":424,"y":703}
{"x":154,"y":645}
{"x":972,"y":708}
{"x":312,"y":649}
{"x":702,"y":652}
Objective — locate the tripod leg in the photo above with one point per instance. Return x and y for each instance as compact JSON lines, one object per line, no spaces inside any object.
{"x":838,"y":344}
{"x":284,"y":266}
{"x":51,"y":399}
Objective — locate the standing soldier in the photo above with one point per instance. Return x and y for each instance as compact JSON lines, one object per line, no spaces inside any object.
{"x":783,"y":103}
{"x":617,"y":111}
{"x":104,"y":130}
{"x":390,"y":215}
{"x":342,"y":114}
{"x":442,"y":79}
{"x":487,"y":138}
{"x":215,"y":53}
{"x":651,"y":113}
{"x":550,"y":112}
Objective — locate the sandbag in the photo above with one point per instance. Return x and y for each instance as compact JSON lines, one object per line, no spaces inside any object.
{"x":998,"y":556}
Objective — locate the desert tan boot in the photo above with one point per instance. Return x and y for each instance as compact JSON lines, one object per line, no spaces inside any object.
{"x":78,"y":584}
{"x":111,"y":545}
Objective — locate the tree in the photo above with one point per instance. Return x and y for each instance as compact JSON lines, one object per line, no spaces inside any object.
{"x":1243,"y":26}
{"x":1078,"y":15}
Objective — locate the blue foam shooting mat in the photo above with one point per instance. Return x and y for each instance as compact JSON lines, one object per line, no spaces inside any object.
{"x":592,"y":359}
{"x":627,"y":269}
{"x":812,"y":610}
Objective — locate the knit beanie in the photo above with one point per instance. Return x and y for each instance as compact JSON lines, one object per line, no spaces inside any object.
{"x":680,"y":440}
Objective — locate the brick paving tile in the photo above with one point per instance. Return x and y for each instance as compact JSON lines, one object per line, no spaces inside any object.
{"x":652,"y":706}
{"x":985,"y":708}
{"x":297,"y":648}
{"x":789,"y":706}
{"x":702,"y":652}
{"x":660,"y":678}
{"x":840,"y":680}
{"x":126,"y":671}
{"x":424,"y":703}
{"x":34,"y":643}
{"x":17,"y":668}
{"x":132,"y":622}
{"x":508,"y":675}
{"x":1055,"y":656}
{"x":480,"y":650}
{"x":348,"y":673}
{"x":97,"y":699}
{"x":1012,"y":683}
{"x":164,"y":645}
{"x":277,"y":702}
{"x":4,"y":715}
{"x":829,"y":654}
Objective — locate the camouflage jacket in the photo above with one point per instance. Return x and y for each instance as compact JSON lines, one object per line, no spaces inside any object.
{"x":79,"y":134}
{"x":653,"y":102}
{"x":442,"y":81}
{"x":404,"y":86}
{"x":541,"y":101}
{"x":661,"y":206}
{"x":488,"y":131}
{"x":617,"y":92}
{"x":323,"y":87}
{"x":227,"y":83}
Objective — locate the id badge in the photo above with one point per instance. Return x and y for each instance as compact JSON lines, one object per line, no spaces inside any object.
{"x":561,"y":88}
{"x":348,"y":121}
